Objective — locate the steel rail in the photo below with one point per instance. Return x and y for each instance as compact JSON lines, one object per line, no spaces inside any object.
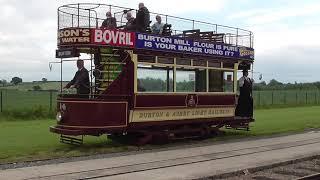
{"x":145,"y":166}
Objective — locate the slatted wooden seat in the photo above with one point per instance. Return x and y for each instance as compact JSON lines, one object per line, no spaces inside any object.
{"x":206,"y":36}
{"x":191,"y":34}
{"x":167,"y":30}
{"x":212,"y":37}
{"x":218,"y":37}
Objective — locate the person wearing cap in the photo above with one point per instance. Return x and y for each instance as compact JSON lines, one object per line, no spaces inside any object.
{"x":142,"y":18}
{"x":245,"y":101}
{"x":110,"y":22}
{"x":157,"y":27}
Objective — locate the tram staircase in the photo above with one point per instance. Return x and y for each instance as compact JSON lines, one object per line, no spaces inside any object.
{"x":110,"y":67}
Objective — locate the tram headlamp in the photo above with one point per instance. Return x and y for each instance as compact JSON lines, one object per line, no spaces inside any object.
{"x":59,"y":116}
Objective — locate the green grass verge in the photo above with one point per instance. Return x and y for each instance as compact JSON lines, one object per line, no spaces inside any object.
{"x":30,"y":140}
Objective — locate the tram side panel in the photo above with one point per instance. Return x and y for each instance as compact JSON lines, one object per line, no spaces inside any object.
{"x":90,"y":117}
{"x":162,"y":109}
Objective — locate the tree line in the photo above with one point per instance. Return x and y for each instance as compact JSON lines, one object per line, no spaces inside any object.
{"x":153,"y":84}
{"x":277,"y":85}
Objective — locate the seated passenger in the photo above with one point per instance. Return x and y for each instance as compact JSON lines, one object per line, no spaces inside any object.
{"x":157,"y":27}
{"x":110,"y":22}
{"x":245,"y":101}
{"x":142,"y":18}
{"x":130,"y":25}
{"x":80,"y":80}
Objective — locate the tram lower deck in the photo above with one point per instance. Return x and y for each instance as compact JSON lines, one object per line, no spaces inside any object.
{"x":194,"y":99}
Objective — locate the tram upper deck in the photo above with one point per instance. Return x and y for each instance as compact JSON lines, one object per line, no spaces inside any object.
{"x":79,"y":26}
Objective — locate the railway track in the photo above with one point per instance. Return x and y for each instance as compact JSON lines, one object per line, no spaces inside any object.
{"x":174,"y":162}
{"x":300,"y":169}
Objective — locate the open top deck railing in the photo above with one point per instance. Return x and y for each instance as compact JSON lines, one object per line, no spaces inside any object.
{"x":90,"y":15}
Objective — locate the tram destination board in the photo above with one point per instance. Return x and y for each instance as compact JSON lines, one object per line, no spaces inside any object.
{"x":67,"y":53}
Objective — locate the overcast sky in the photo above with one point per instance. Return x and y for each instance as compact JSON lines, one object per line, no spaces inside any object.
{"x":286,"y":34}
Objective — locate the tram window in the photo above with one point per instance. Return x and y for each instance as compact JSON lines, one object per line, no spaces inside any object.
{"x":165,"y":60}
{"x":201,"y":80}
{"x":155,"y":79}
{"x":185,"y":80}
{"x":197,"y":62}
{"x":182,"y":61}
{"x":215,"y":81}
{"x":191,"y":80}
{"x":228,"y":65}
{"x":214,"y":64}
{"x":228,"y":82}
{"x":146,"y":58}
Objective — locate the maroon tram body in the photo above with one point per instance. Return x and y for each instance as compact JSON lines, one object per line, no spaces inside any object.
{"x":116,"y":105}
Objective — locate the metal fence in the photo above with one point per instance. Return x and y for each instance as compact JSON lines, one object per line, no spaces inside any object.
{"x":290,"y":97}
{"x":22,"y":100}
{"x":91,"y":15}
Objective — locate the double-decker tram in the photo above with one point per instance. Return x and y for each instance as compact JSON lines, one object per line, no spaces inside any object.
{"x":179,"y":83}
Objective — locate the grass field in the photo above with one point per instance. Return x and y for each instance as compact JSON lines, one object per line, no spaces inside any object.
{"x":27,"y":140}
{"x":14,"y":99}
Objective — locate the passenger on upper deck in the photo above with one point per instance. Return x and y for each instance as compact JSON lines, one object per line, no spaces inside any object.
{"x":157,"y":27}
{"x":110,"y":22}
{"x":142,"y":18}
{"x":245,"y":101}
{"x":80,"y":80}
{"x":130,"y":25}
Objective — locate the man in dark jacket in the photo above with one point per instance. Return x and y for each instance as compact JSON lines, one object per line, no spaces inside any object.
{"x":142,"y":18}
{"x":81,"y":79}
{"x":110,"y":22}
{"x":131,"y":21}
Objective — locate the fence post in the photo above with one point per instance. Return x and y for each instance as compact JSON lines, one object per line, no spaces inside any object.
{"x":296,"y":97}
{"x":285,"y":98}
{"x":50,"y":106}
{"x":272,"y":98}
{"x":1,"y":108}
{"x":306,"y":97}
{"x":259,"y":98}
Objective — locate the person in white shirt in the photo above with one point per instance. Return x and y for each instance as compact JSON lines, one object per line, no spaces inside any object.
{"x":245,"y":101}
{"x":157,"y":27}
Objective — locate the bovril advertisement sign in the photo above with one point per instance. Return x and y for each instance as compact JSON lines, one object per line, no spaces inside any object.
{"x":113,"y":37}
{"x":71,"y":36}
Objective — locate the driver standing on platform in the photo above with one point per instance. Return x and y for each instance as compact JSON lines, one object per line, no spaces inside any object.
{"x":81,"y":79}
{"x":245,"y":101}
